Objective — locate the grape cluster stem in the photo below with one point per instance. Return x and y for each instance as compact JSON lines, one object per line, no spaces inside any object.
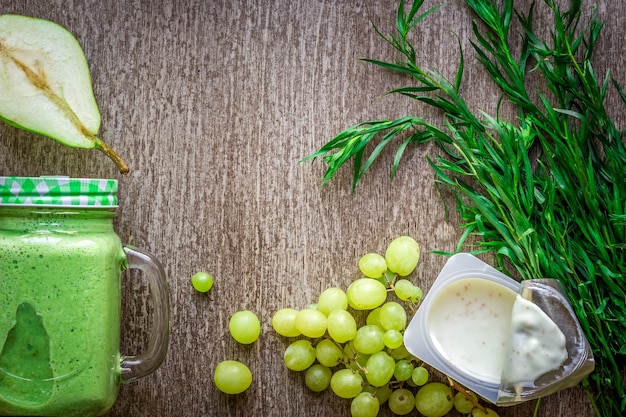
{"x":466,"y":394}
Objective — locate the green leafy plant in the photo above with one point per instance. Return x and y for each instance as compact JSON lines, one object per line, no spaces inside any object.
{"x":545,"y":193}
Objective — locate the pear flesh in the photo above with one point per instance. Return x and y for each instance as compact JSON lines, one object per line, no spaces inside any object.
{"x":45,"y":84}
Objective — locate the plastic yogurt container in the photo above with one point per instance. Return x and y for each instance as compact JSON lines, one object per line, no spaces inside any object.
{"x":507,"y":341}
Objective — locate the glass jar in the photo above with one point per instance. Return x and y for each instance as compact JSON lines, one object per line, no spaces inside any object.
{"x":60,"y":279}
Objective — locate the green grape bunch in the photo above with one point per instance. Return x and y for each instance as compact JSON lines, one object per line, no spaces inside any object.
{"x":366,"y":362}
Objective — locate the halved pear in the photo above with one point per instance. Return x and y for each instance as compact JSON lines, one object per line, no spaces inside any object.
{"x":45,"y":84}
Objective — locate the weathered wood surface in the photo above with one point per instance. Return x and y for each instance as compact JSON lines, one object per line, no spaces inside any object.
{"x":212,"y":104}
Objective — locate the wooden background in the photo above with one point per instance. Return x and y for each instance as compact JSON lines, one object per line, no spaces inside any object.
{"x":212,"y":104}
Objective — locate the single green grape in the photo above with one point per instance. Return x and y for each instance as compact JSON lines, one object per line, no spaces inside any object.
{"x":489,"y":413}
{"x":403,"y":370}
{"x":346,"y":383}
{"x":417,"y":294}
{"x":311,"y":323}
{"x":341,"y":326}
{"x":400,"y":353}
{"x":332,"y":299}
{"x":364,"y":405}
{"x":393,"y":339}
{"x":462,"y":404}
{"x":202,"y":281}
{"x":379,"y":369}
{"x":434,"y":399}
{"x":317,"y":377}
{"x":328,"y":353}
{"x":392,"y":316}
{"x":401,"y":401}
{"x":284,"y":322}
{"x":245,"y":327}
{"x":404,"y":289}
{"x":299,"y":355}
{"x":402,"y":255}
{"x":419,"y":376}
{"x":372,"y":265}
{"x":369,"y":339}
{"x":366,"y":294}
{"x":232,"y":377}
{"x":373,"y":317}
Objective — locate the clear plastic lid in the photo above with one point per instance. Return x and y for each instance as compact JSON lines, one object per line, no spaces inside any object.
{"x":549,"y":296}
{"x":467,"y":328}
{"x":56,"y":191}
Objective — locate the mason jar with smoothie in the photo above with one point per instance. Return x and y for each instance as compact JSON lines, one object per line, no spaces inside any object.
{"x":60,"y":278}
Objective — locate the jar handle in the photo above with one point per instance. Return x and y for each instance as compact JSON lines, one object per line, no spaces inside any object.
{"x":136,"y":367}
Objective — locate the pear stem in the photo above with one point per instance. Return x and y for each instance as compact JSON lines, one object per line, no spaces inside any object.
{"x":108,"y":151}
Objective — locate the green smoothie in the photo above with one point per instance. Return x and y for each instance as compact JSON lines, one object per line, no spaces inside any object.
{"x":59,"y":311}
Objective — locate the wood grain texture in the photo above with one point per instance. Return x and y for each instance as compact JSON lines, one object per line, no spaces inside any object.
{"x":212,"y":104}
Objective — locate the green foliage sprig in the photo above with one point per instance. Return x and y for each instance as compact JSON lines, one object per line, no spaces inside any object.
{"x":547,"y":193}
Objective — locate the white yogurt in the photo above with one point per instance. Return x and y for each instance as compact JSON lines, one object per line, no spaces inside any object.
{"x":537,"y":345}
{"x":489,"y":332}
{"x":469,"y":322}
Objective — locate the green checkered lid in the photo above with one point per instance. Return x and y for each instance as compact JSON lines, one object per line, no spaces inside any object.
{"x":58,"y":192}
